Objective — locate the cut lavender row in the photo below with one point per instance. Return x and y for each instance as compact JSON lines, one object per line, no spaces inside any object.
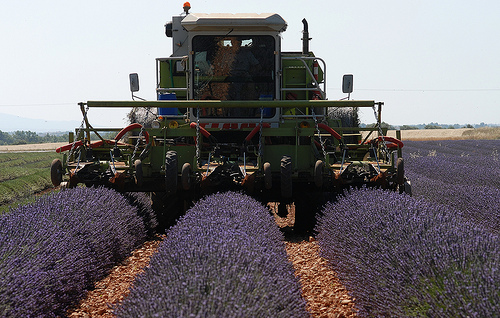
{"x":53,"y":250}
{"x":224,"y":258}
{"x":401,"y":256}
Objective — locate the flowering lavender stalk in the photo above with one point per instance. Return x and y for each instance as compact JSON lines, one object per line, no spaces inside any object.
{"x":224,"y":258}
{"x":401,"y":256}
{"x":53,"y":250}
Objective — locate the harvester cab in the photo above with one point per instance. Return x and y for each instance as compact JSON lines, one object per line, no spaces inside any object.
{"x":234,"y":111}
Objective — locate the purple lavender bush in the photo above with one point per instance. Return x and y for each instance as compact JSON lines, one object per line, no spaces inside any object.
{"x":224,"y":258}
{"x":402,"y":256}
{"x":142,"y":202}
{"x":463,"y":174}
{"x":52,"y":251}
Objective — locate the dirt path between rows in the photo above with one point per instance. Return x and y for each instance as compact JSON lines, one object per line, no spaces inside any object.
{"x":325,"y":296}
{"x":324,"y":293}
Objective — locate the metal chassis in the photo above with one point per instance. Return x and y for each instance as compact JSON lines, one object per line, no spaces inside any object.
{"x":294,"y":127}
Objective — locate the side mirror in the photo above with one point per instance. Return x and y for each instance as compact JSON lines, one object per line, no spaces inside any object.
{"x":169,"y":29}
{"x":134,"y":82}
{"x":347,"y":82}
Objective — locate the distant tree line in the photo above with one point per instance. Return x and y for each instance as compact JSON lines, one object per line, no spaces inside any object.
{"x":384,"y":125}
{"x":422,"y":126}
{"x":434,"y":126}
{"x":21,"y":137}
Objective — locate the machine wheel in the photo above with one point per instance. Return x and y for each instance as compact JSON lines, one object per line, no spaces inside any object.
{"x":286,"y":177}
{"x":318,"y":173}
{"x":186,"y":176}
{"x":139,"y":176}
{"x":268,"y":178}
{"x":309,"y":206}
{"x":304,"y":214}
{"x":282,"y":209}
{"x":400,"y":171}
{"x":56,"y":172}
{"x":168,"y":208}
{"x":171,"y":172}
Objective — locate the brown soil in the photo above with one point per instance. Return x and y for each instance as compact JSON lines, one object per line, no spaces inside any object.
{"x":324,"y":293}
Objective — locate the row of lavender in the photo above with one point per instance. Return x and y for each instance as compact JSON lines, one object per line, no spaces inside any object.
{"x":53,"y":250}
{"x":463,"y":174}
{"x":403,"y":256}
{"x":434,"y":254}
{"x":224,"y":258}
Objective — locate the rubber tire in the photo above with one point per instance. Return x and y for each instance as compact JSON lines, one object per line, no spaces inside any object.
{"x":186,"y":176}
{"x":286,"y":177}
{"x":318,"y":173}
{"x":308,"y":207}
{"x":171,"y":172}
{"x":56,"y":172}
{"x":282,"y":210}
{"x":139,"y":175}
{"x":400,"y":171}
{"x":268,"y":177}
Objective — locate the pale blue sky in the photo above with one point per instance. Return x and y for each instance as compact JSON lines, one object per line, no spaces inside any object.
{"x":429,"y":61}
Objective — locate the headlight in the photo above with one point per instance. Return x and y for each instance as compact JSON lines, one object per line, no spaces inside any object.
{"x":155,"y":124}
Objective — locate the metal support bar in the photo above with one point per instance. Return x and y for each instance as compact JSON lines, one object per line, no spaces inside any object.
{"x":292,"y":89}
{"x":398,"y":136}
{"x":171,"y":59}
{"x":234,"y":103}
{"x":182,"y":89}
{"x":303,"y":59}
{"x":302,"y":116}
{"x":380,"y":112}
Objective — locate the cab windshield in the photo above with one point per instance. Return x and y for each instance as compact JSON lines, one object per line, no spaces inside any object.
{"x":234,"y":68}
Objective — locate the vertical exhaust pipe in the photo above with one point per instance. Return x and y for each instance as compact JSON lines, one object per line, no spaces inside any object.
{"x":305,"y":38}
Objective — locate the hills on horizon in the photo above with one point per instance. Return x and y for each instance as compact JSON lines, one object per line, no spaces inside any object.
{"x":11,"y":123}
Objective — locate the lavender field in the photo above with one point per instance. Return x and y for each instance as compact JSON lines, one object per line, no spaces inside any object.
{"x":53,"y":250}
{"x":224,"y":258}
{"x":463,"y":174}
{"x":436,"y":254}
